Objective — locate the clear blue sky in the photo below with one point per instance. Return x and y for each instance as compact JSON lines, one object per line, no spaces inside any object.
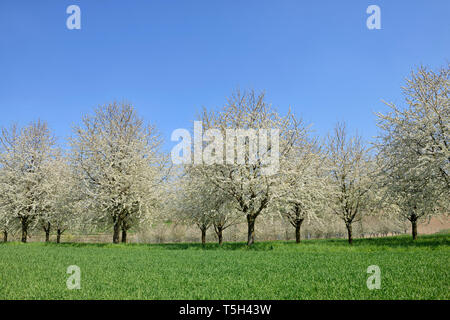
{"x":170,"y":58}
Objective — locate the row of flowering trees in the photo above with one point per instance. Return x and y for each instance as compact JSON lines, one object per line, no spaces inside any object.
{"x":115,"y":174}
{"x":111,"y":176}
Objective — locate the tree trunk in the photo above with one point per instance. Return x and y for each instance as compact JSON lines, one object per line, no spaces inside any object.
{"x":203,"y":236}
{"x":298,"y":225}
{"x":116,"y":234}
{"x":220,"y":235}
{"x":58,"y":236}
{"x":46,"y":228}
{"x":24,"y":230}
{"x":349,"y":231}
{"x":124,"y":235}
{"x":414,"y":228}
{"x":251,"y":230}
{"x":5,"y":236}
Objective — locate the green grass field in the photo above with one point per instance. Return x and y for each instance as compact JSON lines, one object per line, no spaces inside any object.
{"x":315,"y":269}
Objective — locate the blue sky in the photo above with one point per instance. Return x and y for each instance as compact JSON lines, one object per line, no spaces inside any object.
{"x":170,"y":58}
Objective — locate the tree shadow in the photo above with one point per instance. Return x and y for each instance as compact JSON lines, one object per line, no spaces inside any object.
{"x":405,"y":241}
{"x":432,"y":241}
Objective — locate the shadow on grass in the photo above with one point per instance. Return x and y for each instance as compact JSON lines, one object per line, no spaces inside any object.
{"x":404,"y":241}
{"x":434,"y":240}
{"x":216,"y":246}
{"x":165,"y":246}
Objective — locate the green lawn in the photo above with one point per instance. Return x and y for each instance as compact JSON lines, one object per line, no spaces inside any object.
{"x":315,"y":269}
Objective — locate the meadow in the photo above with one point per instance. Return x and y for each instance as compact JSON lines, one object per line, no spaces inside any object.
{"x":314,"y":269}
